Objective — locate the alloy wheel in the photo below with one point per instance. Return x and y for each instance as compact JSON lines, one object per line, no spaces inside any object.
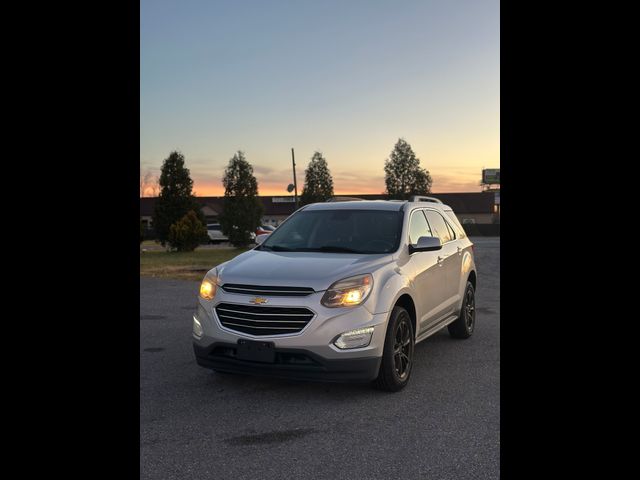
{"x":402,"y":349}
{"x":469,"y":309}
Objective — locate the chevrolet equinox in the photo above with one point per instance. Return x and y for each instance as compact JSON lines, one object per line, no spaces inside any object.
{"x":341,"y":291}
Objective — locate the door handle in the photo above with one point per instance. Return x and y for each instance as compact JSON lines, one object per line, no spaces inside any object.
{"x":440,"y":260}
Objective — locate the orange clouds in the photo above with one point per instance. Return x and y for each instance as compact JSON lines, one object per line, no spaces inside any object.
{"x":274,"y":182}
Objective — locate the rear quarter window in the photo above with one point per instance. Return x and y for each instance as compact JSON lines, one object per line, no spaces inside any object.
{"x":460,"y":233}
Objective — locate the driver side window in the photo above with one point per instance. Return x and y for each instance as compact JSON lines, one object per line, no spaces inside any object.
{"x":418,"y":227}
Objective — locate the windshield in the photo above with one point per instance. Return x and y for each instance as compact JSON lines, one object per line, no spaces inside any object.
{"x":341,"y":231}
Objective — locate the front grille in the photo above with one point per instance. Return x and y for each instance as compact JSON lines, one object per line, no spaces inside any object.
{"x":261,"y":321}
{"x":270,"y":291}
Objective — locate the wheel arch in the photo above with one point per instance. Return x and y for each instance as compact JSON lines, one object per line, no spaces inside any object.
{"x":406,"y":301}
{"x":473,"y":278}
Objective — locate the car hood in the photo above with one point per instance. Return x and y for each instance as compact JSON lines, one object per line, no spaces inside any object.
{"x":317,"y":270}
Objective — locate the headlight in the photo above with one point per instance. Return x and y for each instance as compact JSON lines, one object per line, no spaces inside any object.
{"x":209,"y":285}
{"x":348,"y":291}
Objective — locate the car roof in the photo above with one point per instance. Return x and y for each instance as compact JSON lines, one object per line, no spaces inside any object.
{"x":357,"y":205}
{"x":374,"y":205}
{"x":435,"y":205}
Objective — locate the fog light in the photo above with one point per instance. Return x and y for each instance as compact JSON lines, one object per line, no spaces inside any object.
{"x":197,"y":328}
{"x":360,"y":337}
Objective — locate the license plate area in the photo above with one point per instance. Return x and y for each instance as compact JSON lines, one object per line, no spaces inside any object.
{"x":253,"y":351}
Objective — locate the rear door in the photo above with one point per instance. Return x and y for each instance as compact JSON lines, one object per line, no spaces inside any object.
{"x":428,"y":274}
{"x":449,"y":257}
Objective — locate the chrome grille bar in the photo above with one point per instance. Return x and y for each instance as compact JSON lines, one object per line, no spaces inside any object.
{"x":260,"y":320}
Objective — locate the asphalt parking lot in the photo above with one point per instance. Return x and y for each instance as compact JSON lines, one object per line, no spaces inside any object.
{"x":198,"y":424}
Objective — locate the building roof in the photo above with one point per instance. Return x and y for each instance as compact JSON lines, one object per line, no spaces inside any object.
{"x":470,"y":202}
{"x":215,"y":206}
{"x":467,"y":202}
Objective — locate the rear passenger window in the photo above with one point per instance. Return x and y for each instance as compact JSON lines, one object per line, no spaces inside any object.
{"x":418,"y":227}
{"x":439,"y":226}
{"x":453,"y":221}
{"x":452,"y":232}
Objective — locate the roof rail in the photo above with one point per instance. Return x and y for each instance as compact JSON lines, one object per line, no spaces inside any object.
{"x":345,"y":199}
{"x":420,"y":198}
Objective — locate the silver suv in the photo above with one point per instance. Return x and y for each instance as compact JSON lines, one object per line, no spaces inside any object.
{"x":341,"y":291}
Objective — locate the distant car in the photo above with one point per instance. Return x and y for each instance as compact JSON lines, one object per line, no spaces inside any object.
{"x":265,"y":229}
{"x":214,"y":230}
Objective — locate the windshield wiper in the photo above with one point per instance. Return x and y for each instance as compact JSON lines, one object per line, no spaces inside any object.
{"x":324,"y":248}
{"x":335,"y":248}
{"x":276,"y":248}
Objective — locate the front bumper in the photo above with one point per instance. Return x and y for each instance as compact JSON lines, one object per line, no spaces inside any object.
{"x":308,"y":355}
{"x":296,"y":364}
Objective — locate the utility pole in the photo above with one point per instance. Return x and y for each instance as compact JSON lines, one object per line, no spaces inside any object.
{"x":295,"y":183}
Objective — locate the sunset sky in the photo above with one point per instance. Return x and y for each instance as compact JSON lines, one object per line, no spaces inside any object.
{"x":347,"y":78}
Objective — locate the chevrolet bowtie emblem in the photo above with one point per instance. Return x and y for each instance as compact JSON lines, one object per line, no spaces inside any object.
{"x":259,"y":300}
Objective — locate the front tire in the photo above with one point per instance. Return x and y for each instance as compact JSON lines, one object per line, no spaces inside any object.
{"x":464,"y":325}
{"x":397,"y":358}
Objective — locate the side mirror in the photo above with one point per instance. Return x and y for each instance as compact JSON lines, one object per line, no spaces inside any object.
{"x":426,"y":244}
{"x":261,"y":238}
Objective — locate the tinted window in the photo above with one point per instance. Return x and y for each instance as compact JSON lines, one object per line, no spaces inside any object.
{"x":213,"y":227}
{"x":418,"y":227}
{"x":341,"y":231}
{"x":455,"y":224}
{"x":438,"y":226}
{"x":452,"y":233}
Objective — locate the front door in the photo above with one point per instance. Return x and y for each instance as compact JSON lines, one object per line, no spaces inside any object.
{"x":451,"y":259}
{"x":428,"y":275}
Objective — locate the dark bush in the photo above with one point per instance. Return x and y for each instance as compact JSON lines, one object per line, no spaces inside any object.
{"x":187,"y":233}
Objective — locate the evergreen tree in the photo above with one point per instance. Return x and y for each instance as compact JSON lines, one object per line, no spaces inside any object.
{"x":242,"y":207}
{"x":318,"y":183}
{"x":176,"y":197}
{"x":403,"y":175}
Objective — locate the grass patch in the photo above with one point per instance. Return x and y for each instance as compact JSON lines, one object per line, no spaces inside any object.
{"x":184,"y":265}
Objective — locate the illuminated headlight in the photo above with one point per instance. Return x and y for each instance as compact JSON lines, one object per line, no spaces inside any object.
{"x":197,"y":328}
{"x":209,"y":285}
{"x":360,"y":337}
{"x":348,"y":292}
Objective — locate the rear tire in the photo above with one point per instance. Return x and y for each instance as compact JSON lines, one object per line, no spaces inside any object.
{"x":464,"y":325}
{"x":397,"y":358}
